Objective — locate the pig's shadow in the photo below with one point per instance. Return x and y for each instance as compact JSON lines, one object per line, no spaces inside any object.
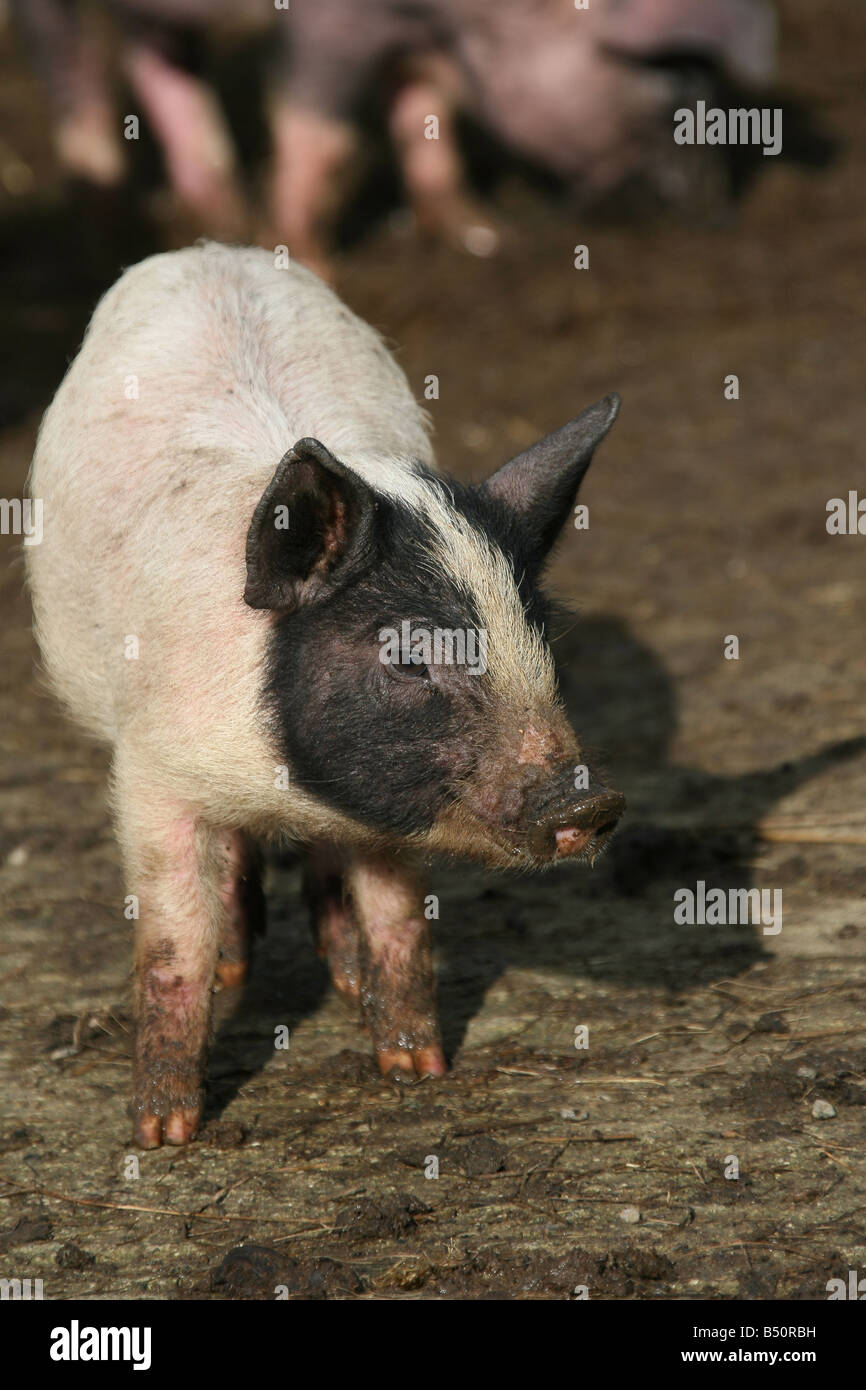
{"x":614,"y":923}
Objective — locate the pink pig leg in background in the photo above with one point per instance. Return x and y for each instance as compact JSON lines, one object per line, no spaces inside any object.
{"x":195,"y":140}
{"x":72,"y":67}
{"x":86,"y":139}
{"x":311,"y":153}
{"x":430,"y":161}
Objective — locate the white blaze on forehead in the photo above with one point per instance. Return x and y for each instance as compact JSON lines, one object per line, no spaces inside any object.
{"x":519,"y":664}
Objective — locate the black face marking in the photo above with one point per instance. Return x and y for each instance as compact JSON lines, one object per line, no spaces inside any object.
{"x":388,"y":748}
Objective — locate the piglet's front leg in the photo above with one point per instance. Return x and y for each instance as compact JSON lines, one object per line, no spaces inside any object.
{"x":396,"y":966}
{"x":174,"y":866}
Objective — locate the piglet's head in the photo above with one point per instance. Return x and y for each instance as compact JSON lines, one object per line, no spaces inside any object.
{"x":410,"y":682}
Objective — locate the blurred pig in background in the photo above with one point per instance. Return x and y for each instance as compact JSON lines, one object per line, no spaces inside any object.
{"x":586,"y":93}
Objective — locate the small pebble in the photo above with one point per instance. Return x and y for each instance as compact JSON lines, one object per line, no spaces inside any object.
{"x":808,"y":1073}
{"x":823,"y":1110}
{"x":631,"y":1215}
{"x":17,"y":857}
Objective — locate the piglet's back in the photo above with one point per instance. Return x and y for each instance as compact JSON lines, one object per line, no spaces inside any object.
{"x":199,"y":370}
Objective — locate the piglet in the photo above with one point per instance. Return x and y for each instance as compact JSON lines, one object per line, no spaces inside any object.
{"x":256,"y":588}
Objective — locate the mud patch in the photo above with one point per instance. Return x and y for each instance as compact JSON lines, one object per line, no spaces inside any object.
{"x":256,"y":1272}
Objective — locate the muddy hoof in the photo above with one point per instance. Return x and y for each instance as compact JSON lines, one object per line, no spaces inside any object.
{"x":177,"y":1127}
{"x":403,"y":1064}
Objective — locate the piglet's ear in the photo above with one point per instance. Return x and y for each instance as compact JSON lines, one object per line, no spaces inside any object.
{"x":311,"y":531}
{"x":539,"y":486}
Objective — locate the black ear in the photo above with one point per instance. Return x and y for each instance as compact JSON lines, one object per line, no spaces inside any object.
{"x":539,"y":486}
{"x":312,"y":529}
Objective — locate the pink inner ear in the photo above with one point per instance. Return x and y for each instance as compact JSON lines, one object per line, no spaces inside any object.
{"x":335,"y":534}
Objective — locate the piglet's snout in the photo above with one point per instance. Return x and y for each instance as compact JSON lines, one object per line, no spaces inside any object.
{"x":540,"y":808}
{"x":585,"y":826}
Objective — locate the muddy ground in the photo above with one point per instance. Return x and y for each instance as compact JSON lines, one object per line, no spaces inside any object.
{"x":608,"y":1167}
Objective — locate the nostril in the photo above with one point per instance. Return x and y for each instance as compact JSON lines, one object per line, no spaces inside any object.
{"x":581,"y":830}
{"x":575,"y":838}
{"x":607,"y":827}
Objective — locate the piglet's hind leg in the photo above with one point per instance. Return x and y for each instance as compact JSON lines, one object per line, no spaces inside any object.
{"x":335,"y":930}
{"x":243,"y":904}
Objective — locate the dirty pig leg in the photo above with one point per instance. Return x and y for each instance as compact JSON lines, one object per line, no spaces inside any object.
{"x":432,"y":169}
{"x":86,"y":136}
{"x":172,"y":867}
{"x":243,"y":902}
{"x":192,"y":133}
{"x":311,"y":152}
{"x":334,"y":928}
{"x":73,"y":68}
{"x":397,"y":988}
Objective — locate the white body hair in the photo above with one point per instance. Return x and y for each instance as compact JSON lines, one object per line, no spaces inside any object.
{"x":199,"y":370}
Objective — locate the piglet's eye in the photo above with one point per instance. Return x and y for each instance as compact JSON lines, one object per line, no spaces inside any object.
{"x":411,"y":670}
